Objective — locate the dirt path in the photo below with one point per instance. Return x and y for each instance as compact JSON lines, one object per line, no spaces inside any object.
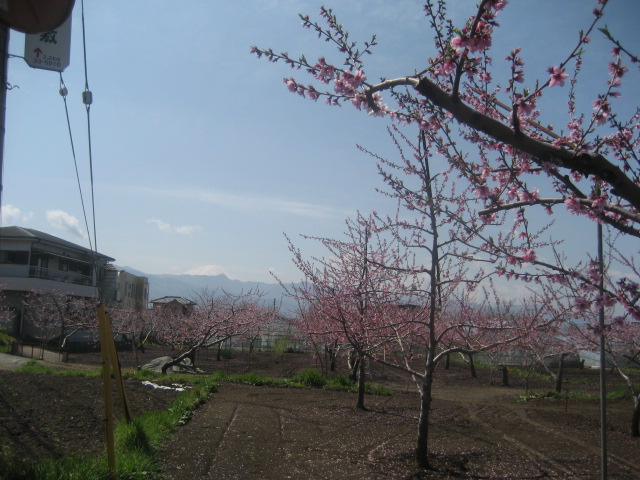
{"x":274,"y":433}
{"x":248,"y":432}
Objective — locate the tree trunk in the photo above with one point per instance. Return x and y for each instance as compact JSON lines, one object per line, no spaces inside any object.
{"x":354,"y":363}
{"x":361,"y":382}
{"x":447,"y":362}
{"x":560,"y":373}
{"x":135,"y":351}
{"x":332,"y":359}
{"x":472,"y":367}
{"x":635,"y":419}
{"x":422,"y":448}
{"x":505,"y":375}
{"x":219,"y":354}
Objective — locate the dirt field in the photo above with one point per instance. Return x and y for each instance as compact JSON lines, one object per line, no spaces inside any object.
{"x":247,"y":432}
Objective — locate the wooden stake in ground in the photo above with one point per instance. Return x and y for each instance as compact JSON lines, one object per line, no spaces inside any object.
{"x":110,"y":364}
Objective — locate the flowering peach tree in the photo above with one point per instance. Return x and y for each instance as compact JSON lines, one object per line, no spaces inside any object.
{"x":352,"y":294}
{"x":58,"y":316}
{"x":500,"y":152}
{"x":492,"y":131}
{"x":216,"y":318}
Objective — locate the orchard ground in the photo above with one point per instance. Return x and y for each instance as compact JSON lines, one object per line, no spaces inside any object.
{"x":477,"y":430}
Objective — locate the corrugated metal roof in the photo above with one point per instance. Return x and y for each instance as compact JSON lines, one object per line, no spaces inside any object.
{"x":180,"y":300}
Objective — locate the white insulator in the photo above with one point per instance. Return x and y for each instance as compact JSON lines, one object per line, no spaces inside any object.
{"x":63,"y":91}
{"x":87,"y":97}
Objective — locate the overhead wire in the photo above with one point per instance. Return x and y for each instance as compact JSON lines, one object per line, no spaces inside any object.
{"x":87,"y":99}
{"x":63,"y":94}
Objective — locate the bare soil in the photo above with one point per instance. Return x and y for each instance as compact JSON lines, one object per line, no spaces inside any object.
{"x":256,"y":432}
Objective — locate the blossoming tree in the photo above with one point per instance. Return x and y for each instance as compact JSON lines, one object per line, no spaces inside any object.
{"x":591,"y":166}
{"x":216,"y":318}
{"x":352,"y":293}
{"x":133,"y":326}
{"x":58,"y":316}
{"x":498,"y":145}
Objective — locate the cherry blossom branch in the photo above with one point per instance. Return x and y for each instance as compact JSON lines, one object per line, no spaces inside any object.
{"x":584,"y":163}
{"x":609,"y":207}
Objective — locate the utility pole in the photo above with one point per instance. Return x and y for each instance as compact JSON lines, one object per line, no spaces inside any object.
{"x":603,"y":384}
{"x":4,"y":53}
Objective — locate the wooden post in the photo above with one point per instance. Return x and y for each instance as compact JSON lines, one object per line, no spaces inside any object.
{"x":110,"y":364}
{"x":115,"y":365}
{"x":106,"y":388}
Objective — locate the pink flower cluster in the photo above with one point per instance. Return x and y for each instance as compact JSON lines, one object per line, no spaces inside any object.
{"x":348,"y":83}
{"x":323,"y":71}
{"x":557,"y":76}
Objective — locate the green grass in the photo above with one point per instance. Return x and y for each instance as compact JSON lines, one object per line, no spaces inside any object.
{"x":617,"y":394}
{"x":34,"y":366}
{"x":310,"y":378}
{"x":137,"y":443}
{"x":5,"y":340}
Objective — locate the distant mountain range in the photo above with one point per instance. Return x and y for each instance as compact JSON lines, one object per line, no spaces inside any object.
{"x":190,"y":286}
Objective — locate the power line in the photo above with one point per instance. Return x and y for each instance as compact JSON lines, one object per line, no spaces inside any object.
{"x":63,"y":93}
{"x":87,"y":99}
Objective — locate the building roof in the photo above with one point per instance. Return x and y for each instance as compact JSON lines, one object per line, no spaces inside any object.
{"x":38,"y":236}
{"x":180,"y":300}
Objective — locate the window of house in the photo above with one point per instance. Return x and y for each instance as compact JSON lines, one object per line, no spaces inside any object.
{"x":14,"y":257}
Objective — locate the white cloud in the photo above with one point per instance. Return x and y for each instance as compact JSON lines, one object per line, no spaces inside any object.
{"x":208,"y":270}
{"x":182,"y":230}
{"x":188,"y":229}
{"x":65,"y":221}
{"x":165,"y":227}
{"x":12,"y":215}
{"x":253,"y":203}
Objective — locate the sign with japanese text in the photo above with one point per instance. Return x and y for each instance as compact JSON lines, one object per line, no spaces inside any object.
{"x":49,"y":50}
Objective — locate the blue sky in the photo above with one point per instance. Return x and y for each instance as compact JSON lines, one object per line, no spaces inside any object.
{"x":201,"y":157}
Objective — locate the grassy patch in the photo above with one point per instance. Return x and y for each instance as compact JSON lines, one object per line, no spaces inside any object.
{"x":310,"y":378}
{"x":573,"y":395}
{"x":5,"y":341}
{"x":137,"y":443}
{"x":34,"y":366}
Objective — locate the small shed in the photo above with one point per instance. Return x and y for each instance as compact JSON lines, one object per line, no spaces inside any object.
{"x":177,"y":304}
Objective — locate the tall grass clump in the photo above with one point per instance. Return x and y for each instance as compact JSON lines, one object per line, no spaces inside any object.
{"x":310,"y":378}
{"x":32,"y":366}
{"x":5,"y":340}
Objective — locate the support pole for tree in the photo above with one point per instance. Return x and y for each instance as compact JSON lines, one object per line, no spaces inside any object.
{"x":603,"y":385}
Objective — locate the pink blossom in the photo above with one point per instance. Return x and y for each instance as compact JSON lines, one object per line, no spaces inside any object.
{"x":582,"y":304}
{"x":291,"y":84}
{"x":574,"y":206}
{"x":323,"y":71}
{"x":529,"y":196}
{"x":529,"y":255}
{"x":511,"y":260}
{"x":557,"y":76}
{"x":496,"y":4}
{"x":602,"y":110}
{"x":616,"y":69}
{"x":446,"y":68}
